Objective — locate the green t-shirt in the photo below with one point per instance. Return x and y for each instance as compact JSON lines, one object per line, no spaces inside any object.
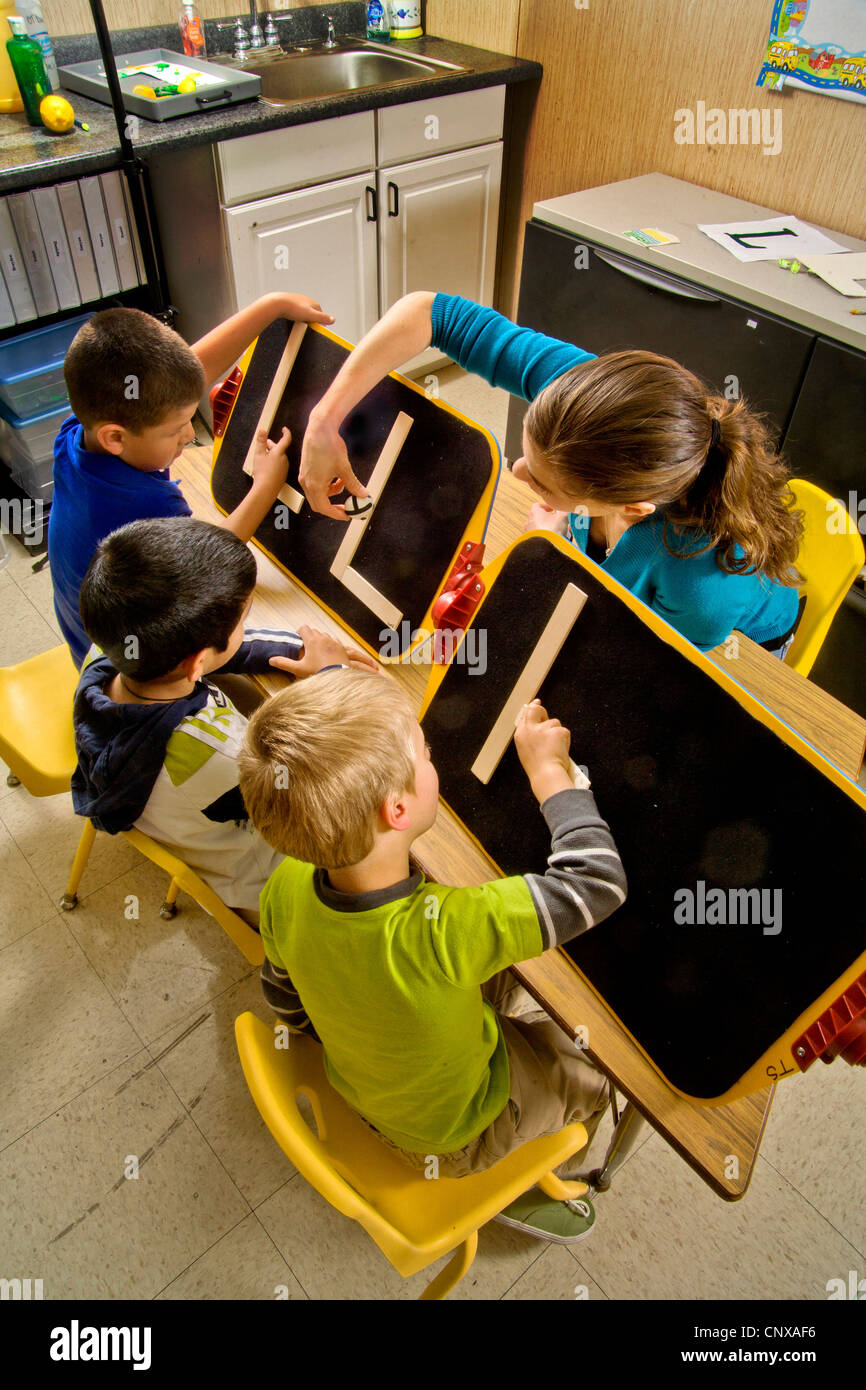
{"x":393,"y":992}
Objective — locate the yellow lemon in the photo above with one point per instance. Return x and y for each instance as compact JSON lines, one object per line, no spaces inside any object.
{"x":142,"y":91}
{"x":56,"y":113}
{"x":187,"y":85}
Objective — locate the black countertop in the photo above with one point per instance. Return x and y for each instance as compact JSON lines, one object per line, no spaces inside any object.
{"x":30,"y":156}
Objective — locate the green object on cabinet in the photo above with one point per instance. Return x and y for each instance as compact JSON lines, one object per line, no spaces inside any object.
{"x":25,"y":55}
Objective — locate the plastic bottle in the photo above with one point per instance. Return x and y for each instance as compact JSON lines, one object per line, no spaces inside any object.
{"x":34,"y":21}
{"x":378,"y":22}
{"x":25,"y":55}
{"x":192,"y":32}
{"x":10,"y":97}
{"x":406,"y":19}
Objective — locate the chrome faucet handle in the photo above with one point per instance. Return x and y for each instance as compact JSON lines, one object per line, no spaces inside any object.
{"x":331,"y":40}
{"x":242,"y":43}
{"x":271,"y":35}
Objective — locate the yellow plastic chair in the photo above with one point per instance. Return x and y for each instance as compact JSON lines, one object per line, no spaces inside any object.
{"x":413,"y":1219}
{"x":36,"y":738}
{"x":248,"y":942}
{"x":831,"y":556}
{"x":38,"y":744}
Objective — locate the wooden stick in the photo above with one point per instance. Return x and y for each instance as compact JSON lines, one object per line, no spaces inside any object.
{"x":294,"y":500}
{"x":378,"y":478}
{"x":528,"y":683}
{"x":275,"y":395}
{"x":376,"y":602}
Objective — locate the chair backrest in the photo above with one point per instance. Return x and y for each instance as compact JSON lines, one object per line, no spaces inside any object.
{"x":36,"y":736}
{"x":831,"y":556}
{"x":275,"y":1078}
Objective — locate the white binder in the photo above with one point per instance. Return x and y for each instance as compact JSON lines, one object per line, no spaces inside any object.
{"x":115,"y":207}
{"x":133,"y":232}
{"x":14,"y":273}
{"x":78,"y":236}
{"x":100,"y":236}
{"x":33,"y":252}
{"x":56,"y":247}
{"x":7,"y":313}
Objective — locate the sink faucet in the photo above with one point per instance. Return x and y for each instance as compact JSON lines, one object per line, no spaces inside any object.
{"x":256,"y":36}
{"x":331,"y":40}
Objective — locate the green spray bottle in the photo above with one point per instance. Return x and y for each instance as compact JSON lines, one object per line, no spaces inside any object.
{"x":25,"y":55}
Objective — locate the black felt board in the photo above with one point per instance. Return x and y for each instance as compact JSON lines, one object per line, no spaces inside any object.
{"x":436,"y":484}
{"x":693,"y":788}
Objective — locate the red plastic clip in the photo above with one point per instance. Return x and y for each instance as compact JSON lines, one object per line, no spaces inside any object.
{"x":222,"y":398}
{"x":461,"y":594}
{"x":840,"y":1031}
{"x":462,"y":591}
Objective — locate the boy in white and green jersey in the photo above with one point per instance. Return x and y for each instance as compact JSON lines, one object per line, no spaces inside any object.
{"x":164,"y":601}
{"x":405,"y":982}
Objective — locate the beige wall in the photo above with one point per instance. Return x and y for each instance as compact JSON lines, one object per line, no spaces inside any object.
{"x":615,"y":73}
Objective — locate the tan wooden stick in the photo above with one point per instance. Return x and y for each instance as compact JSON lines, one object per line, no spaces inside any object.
{"x":528,"y":683}
{"x":378,"y":478}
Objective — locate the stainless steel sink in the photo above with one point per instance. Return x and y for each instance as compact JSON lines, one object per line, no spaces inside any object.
{"x":302,"y":76}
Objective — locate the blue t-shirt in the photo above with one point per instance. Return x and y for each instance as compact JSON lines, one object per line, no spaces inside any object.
{"x":94,"y":494}
{"x":693,"y":594}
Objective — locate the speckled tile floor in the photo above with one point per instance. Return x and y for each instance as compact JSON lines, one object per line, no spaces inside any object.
{"x":117,"y":1041}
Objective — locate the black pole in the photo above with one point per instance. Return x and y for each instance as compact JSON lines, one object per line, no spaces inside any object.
{"x":136,"y":175}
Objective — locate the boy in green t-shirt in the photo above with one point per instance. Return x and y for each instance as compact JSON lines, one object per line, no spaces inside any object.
{"x":406,"y":982}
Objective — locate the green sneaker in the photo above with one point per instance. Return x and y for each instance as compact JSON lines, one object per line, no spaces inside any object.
{"x":545,"y":1217}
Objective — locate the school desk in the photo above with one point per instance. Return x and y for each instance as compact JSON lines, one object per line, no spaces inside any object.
{"x":721,"y":1144}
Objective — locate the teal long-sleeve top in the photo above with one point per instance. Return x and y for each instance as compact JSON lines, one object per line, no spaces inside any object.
{"x":689,"y":591}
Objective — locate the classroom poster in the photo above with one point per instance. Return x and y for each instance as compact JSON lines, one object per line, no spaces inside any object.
{"x":819,"y":46}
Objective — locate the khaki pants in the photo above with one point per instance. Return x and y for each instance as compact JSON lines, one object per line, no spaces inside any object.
{"x":552,"y":1085}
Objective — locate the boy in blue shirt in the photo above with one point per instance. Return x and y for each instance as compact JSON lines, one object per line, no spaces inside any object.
{"x":134,"y":386}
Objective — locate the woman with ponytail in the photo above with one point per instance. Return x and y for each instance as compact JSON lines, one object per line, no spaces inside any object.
{"x":675,"y":492}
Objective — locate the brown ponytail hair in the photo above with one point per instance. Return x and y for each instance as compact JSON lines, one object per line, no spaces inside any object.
{"x":635,"y":427}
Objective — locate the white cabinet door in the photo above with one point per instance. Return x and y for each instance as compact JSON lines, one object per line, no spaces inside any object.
{"x":438,"y":222}
{"x":320,"y":242}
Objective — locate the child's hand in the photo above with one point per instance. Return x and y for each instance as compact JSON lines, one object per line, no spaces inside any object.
{"x":303,"y":310}
{"x":544,"y":518}
{"x":270,"y":465}
{"x":322,"y":650}
{"x":542,"y":746}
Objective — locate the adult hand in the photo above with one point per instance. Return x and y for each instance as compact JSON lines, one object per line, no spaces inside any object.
{"x":320,"y":649}
{"x":544,"y":518}
{"x":325,"y":469}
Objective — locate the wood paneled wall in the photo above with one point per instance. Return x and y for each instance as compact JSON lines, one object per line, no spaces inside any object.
{"x":614,"y":75}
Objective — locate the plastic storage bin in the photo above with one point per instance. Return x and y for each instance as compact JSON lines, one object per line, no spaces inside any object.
{"x":31,"y":367}
{"x":27,"y":446}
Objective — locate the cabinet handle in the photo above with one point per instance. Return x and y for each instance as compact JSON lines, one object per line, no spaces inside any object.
{"x":654,"y":278}
{"x":393,"y":212}
{"x":371,"y":204}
